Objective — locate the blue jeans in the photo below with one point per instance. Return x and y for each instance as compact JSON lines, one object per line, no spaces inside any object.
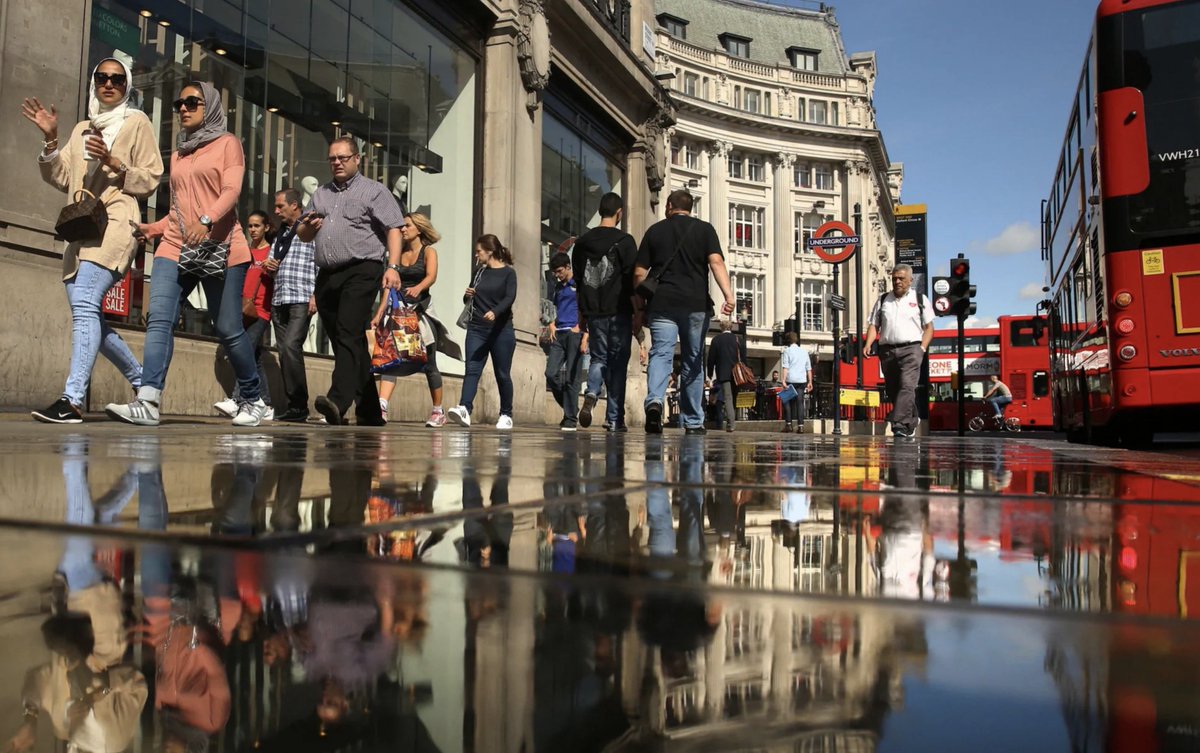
{"x":256,"y":333}
{"x":609,"y":343}
{"x":500,"y":343}
{"x":689,"y":329}
{"x":167,"y":289}
{"x":998,"y":403}
{"x":91,"y":335}
{"x":564,"y":356}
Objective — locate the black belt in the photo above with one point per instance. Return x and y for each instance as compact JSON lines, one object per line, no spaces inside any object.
{"x":899,"y":345}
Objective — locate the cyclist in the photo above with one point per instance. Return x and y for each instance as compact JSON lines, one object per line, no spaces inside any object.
{"x":1003,"y":396}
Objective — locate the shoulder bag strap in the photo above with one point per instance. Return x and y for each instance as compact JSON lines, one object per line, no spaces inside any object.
{"x":678,"y":247}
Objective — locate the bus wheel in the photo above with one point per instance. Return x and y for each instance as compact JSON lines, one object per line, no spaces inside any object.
{"x":1077,"y":436}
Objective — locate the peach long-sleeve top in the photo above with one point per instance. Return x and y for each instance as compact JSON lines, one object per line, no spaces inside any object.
{"x":206,"y":182}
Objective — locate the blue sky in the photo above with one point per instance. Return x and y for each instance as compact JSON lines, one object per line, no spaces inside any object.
{"x":973,"y":97}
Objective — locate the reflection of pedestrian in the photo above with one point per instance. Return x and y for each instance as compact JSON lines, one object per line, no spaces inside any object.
{"x":797,"y":373}
{"x":902,"y":321}
{"x":679,"y":252}
{"x":120,"y":165}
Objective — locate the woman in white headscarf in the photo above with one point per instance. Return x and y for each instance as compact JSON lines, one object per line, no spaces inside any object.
{"x":119,"y":166}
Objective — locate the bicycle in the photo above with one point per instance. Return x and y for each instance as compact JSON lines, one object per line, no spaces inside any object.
{"x":989,"y":420}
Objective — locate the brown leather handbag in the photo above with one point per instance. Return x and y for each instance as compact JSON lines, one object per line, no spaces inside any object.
{"x":742,"y":375}
{"x":84,"y":219}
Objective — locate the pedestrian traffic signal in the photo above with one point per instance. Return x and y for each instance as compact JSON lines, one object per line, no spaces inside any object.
{"x":952,"y":296}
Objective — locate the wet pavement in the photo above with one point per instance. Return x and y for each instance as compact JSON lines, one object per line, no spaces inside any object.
{"x":315,"y":588}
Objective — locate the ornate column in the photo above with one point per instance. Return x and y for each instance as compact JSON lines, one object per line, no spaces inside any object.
{"x":718,"y":202}
{"x":783,"y":273}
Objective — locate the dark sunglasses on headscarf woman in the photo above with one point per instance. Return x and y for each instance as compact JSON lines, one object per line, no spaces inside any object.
{"x":117,"y":79}
{"x":191,"y":103}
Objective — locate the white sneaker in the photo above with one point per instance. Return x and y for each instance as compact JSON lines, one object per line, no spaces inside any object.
{"x":459,"y":415}
{"x":250,"y":414}
{"x":137,"y":412}
{"x":505,"y":422}
{"x":269,"y":415}
{"x":227,"y":407}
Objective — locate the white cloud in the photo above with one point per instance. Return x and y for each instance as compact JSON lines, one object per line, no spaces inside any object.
{"x":1017,"y":238}
{"x":1031,"y":292}
{"x":980,"y":322}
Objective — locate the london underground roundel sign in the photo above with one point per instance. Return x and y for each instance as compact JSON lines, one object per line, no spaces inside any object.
{"x":834,"y":249}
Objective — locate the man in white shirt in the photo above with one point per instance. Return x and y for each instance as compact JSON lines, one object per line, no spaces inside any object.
{"x":902,"y":322}
{"x":797,"y":372}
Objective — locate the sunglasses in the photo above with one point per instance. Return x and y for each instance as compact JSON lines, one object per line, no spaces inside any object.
{"x":191,"y":103}
{"x":117,"y":79}
{"x":341,"y":158}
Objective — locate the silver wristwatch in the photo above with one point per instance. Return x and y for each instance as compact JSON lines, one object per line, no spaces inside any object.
{"x":205,"y":220}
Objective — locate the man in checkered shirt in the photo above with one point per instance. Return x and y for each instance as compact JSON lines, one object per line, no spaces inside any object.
{"x":293,"y":306}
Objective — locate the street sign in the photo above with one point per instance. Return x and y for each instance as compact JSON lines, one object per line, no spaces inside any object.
{"x":942,"y":305}
{"x":837,"y":302}
{"x":834,"y":249}
{"x":941,"y":286}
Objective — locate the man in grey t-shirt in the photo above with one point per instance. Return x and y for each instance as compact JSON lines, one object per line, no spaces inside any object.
{"x":356,"y":225}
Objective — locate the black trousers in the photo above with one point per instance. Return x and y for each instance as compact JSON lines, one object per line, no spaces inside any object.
{"x":345,"y":301}
{"x":291,"y":328}
{"x":795,"y":410}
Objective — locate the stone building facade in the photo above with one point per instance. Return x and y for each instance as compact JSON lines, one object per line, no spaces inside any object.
{"x":502,"y":116}
{"x":775,"y":135}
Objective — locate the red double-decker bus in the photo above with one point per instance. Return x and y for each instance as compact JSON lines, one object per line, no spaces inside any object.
{"x":1121,"y":230}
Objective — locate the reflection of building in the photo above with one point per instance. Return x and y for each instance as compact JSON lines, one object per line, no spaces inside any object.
{"x":776,"y":135}
{"x":501,"y":116}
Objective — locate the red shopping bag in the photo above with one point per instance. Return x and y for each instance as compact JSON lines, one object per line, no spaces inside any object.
{"x":398,"y":347}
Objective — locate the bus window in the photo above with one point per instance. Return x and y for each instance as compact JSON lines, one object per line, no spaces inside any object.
{"x":1041,"y":384}
{"x":1026,"y":334}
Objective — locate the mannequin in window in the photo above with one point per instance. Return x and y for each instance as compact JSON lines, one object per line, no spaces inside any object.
{"x":309,"y":186}
{"x":400,"y":191}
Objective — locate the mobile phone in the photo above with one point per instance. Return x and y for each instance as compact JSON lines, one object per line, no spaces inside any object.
{"x":314,"y":215}
{"x":137,"y":231}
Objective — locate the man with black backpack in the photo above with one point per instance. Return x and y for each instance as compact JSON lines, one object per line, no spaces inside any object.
{"x":603,"y":260}
{"x":673,"y":264}
{"x":902,"y":321}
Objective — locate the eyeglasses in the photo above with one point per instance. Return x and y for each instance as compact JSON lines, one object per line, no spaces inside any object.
{"x":341,"y":158}
{"x":117,"y":79}
{"x":191,"y":104}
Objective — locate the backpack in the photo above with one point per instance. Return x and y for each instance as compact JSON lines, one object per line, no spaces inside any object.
{"x":879,"y":308}
{"x":598,"y":273}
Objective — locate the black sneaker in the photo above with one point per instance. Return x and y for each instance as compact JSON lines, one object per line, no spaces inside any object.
{"x":695,"y":431}
{"x":565,"y":425}
{"x":293,"y":416}
{"x":326,"y":408}
{"x":60,"y":412}
{"x":585,"y":413}
{"x":654,"y":418}
{"x":616,"y":428}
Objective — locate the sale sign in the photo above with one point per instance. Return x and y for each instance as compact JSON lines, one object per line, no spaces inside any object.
{"x":116,"y":300}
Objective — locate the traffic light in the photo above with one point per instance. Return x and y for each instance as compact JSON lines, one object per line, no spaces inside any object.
{"x":953,"y":295}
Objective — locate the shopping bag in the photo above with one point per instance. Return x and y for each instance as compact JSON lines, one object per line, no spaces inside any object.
{"x":398,"y":347}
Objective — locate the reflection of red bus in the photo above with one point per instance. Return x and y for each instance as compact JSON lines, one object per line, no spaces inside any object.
{"x":1015,"y":350}
{"x":1121,"y":230}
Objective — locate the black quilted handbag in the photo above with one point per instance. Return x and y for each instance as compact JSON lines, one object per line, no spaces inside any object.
{"x":84,"y":219}
{"x":208,"y":258}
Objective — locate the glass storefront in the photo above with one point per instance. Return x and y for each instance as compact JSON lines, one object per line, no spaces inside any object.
{"x":295,"y":74}
{"x":582,"y":159}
